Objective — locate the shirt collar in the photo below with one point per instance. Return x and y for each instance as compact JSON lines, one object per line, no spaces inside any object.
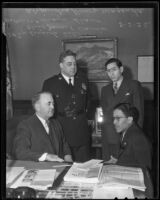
{"x":41,"y":119}
{"x":67,"y":78}
{"x":119,"y":82}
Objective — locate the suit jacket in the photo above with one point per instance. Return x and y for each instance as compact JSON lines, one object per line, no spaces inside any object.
{"x":31,"y":140}
{"x":70,"y":100}
{"x":135,"y":149}
{"x":130,"y":91}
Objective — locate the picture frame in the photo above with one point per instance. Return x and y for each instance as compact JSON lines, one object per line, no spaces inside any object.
{"x":145,"y":68}
{"x":92,"y":53}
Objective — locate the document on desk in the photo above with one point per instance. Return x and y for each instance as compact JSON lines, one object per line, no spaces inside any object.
{"x":112,"y":193}
{"x":119,"y":176}
{"x":12,"y":173}
{"x":36,"y":178}
{"x":77,"y":173}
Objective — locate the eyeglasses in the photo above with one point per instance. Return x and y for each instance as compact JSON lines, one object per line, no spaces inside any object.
{"x":118,"y":118}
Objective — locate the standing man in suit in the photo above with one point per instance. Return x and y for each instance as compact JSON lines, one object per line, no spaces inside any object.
{"x":135,"y":149}
{"x":70,"y":92}
{"x":121,"y":90}
{"x":41,"y":139}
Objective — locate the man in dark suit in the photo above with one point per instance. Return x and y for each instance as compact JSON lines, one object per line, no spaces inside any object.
{"x":70,"y":91}
{"x":135,"y":149}
{"x":41,"y":139}
{"x":120,"y":90}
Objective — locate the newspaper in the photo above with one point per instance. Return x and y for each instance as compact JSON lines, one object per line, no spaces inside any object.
{"x":36,"y":178}
{"x":119,"y":176}
{"x":86,"y":173}
{"x":12,"y":173}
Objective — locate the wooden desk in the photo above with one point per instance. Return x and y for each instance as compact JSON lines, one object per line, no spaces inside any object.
{"x":52,"y":165}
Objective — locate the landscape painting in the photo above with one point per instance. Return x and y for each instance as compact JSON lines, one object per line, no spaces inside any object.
{"x":92,"y":55}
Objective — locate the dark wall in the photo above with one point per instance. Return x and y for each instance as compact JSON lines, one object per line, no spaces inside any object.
{"x":35,"y":58}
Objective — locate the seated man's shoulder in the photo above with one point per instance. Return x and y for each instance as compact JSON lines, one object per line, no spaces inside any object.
{"x":54,"y":121}
{"x":26,"y":121}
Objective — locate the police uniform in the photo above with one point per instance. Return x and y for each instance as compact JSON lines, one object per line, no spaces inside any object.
{"x":70,"y":110}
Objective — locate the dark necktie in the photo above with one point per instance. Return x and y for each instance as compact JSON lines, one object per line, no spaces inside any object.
{"x":70,"y":83}
{"x":51,"y":136}
{"x":115,"y":88}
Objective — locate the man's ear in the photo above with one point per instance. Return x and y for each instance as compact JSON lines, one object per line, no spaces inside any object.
{"x":122,"y":69}
{"x":37,"y":106}
{"x":61,"y":65}
{"x":130,"y":119}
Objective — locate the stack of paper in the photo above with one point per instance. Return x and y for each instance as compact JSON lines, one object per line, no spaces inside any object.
{"x":36,"y":178}
{"x":87,"y":172}
{"x":122,"y":177}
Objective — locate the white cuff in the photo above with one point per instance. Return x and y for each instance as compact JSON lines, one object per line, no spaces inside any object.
{"x":43,"y":157}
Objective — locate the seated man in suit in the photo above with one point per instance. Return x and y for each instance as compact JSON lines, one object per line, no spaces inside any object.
{"x":135,"y":148}
{"x":41,"y":139}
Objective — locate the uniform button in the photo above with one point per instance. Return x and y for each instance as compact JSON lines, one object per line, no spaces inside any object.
{"x":74,"y":117}
{"x":74,"y":102}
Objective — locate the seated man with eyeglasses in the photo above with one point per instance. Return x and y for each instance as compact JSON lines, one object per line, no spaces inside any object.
{"x":135,"y":149}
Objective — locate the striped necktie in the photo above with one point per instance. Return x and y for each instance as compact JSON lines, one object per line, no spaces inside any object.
{"x":47,"y":126}
{"x":115,"y":88}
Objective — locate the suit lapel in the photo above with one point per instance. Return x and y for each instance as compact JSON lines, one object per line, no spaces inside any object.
{"x":123,"y":143}
{"x":39,"y":126}
{"x":121,"y":92}
{"x":41,"y":130}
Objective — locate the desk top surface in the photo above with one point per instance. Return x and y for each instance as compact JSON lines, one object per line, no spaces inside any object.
{"x":59,"y":168}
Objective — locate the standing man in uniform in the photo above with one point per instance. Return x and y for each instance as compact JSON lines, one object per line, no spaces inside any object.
{"x":70,"y":93}
{"x":121,"y":90}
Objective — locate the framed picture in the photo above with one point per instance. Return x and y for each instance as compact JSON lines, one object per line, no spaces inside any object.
{"x":92,"y":53}
{"x":145,"y":69}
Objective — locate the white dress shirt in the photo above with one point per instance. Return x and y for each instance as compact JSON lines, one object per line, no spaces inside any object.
{"x":67,"y":79}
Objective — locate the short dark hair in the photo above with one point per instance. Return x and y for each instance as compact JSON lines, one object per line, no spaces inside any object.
{"x":37,"y":96}
{"x":65,"y":54}
{"x":128,"y":110}
{"x":113,"y":60}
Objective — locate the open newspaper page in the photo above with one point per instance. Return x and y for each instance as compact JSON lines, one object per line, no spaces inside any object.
{"x":115,"y":175}
{"x":36,"y":178}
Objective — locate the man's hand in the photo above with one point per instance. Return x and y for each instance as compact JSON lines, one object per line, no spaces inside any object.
{"x":68,"y":158}
{"x":53,"y":157}
{"x":112,"y":160}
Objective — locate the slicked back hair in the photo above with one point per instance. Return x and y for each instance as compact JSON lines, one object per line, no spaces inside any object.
{"x":113,"y":60}
{"x":65,"y":54}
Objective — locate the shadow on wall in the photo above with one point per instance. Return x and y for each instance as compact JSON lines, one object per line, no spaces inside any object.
{"x":127,"y":72}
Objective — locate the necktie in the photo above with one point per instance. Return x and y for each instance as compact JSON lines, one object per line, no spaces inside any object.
{"x":70,"y":82}
{"x":47,"y":126}
{"x":115,"y":88}
{"x":51,"y":135}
